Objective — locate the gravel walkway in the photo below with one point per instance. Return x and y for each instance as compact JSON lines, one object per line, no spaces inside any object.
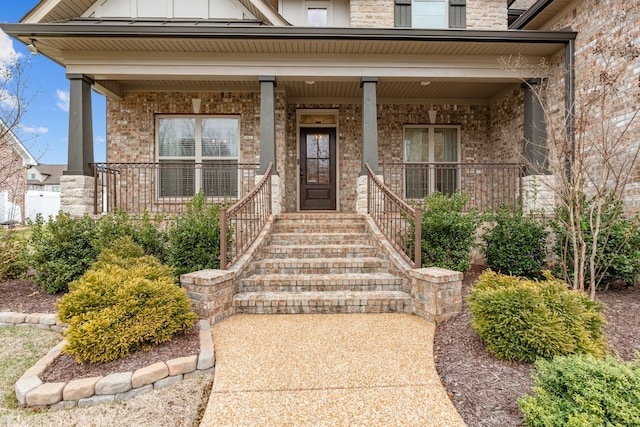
{"x":355,"y":369}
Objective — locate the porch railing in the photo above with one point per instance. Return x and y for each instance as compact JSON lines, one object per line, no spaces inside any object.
{"x":489,"y":185}
{"x":399,"y":222}
{"x":167,"y":186}
{"x":242,"y":222}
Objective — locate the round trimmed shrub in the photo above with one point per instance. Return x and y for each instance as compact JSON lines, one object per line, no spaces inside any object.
{"x":521,"y":320}
{"x":583,"y":391}
{"x":126,"y":302}
{"x":516,"y":244}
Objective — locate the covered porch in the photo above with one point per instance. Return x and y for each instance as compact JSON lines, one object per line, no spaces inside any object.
{"x":203,"y":106}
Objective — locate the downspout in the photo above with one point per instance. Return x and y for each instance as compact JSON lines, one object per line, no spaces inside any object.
{"x":570,"y":108}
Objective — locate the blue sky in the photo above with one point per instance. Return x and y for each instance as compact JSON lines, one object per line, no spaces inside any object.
{"x":44,"y":127}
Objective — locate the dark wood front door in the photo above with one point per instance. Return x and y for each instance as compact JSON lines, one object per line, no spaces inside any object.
{"x":317,"y":169}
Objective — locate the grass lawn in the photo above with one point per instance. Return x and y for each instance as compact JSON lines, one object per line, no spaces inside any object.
{"x":20,"y":348}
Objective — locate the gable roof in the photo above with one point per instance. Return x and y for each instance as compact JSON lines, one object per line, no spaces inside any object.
{"x":52,"y":173}
{"x":14,"y":142}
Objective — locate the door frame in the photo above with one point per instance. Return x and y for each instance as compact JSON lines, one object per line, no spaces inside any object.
{"x":326,"y":112}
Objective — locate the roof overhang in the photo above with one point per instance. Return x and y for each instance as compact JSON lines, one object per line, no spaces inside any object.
{"x":540,"y":14}
{"x":199,"y":55}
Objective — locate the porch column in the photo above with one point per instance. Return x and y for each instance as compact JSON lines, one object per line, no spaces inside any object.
{"x":77,"y":184}
{"x":537,"y":184}
{"x":267,"y":124}
{"x":535,"y":131}
{"x":369,"y":125}
{"x":80,"y":126}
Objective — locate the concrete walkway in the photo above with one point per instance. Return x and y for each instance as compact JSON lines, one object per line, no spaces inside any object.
{"x":326,"y":370}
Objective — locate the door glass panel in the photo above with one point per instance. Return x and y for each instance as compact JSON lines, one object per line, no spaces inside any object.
{"x":312,"y":171}
{"x":323,"y":146}
{"x":323,"y":171}
{"x":312,"y":147}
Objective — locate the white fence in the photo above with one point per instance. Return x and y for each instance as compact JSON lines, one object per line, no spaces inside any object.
{"x":45,"y":203}
{"x":10,"y":212}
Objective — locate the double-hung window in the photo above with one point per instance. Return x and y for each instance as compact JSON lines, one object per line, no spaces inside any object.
{"x":198,"y":152}
{"x":434,"y":14}
{"x":431,"y":154}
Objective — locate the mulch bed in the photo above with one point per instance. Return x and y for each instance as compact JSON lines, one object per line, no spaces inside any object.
{"x":485,"y":390}
{"x":23,"y":296}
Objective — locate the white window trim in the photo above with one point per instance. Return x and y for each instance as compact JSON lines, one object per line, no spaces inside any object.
{"x":198,"y":158}
{"x":431,"y":129}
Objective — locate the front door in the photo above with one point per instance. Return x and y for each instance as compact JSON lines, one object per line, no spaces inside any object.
{"x":317,"y":169}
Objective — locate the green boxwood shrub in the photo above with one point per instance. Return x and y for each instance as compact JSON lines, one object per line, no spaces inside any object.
{"x":618,"y":244}
{"x":582,"y":391}
{"x":194,"y":237}
{"x":63,"y":248}
{"x":13,"y":256}
{"x":448,"y":233}
{"x":521,"y":320}
{"x":516,"y":244}
{"x":126,"y":302}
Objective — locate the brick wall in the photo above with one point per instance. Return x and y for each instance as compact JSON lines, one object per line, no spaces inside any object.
{"x":487,"y":14}
{"x":13,"y":176}
{"x":603,"y":28}
{"x":372,"y":13}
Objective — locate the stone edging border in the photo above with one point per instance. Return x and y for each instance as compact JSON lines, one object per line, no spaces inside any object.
{"x":31,"y":391}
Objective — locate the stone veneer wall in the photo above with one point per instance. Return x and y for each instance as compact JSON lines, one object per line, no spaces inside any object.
{"x":372,"y":13}
{"x":487,"y":14}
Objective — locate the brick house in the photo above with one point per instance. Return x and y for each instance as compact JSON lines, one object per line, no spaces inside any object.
{"x":13,"y":178}
{"x":205,"y":94}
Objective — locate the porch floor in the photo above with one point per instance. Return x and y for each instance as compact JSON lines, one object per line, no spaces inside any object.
{"x":327,"y":370}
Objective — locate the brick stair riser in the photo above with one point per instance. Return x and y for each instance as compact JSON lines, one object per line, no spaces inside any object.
{"x":319,"y":251}
{"x":315,"y":287}
{"x":318,"y":228}
{"x":345,"y":268}
{"x":346,"y":309}
{"x":281,"y":239}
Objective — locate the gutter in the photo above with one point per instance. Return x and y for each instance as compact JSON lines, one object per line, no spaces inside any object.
{"x":530,"y":14}
{"x":154,"y":30}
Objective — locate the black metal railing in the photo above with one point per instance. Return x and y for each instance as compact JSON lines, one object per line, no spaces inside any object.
{"x":242,"y":222}
{"x":167,"y":186}
{"x":399,"y":222}
{"x":489,"y":185}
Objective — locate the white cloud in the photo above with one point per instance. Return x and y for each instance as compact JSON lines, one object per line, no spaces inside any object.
{"x":8,"y":100}
{"x":7,"y":53}
{"x":40,"y":130}
{"x":100,"y":140}
{"x":63,"y":99}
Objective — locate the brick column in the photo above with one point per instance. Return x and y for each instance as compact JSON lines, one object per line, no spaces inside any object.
{"x":211,"y":293}
{"x":436,"y":293}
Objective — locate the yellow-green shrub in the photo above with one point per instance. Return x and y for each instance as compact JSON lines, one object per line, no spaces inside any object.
{"x":520,"y":319}
{"x":124,"y":303}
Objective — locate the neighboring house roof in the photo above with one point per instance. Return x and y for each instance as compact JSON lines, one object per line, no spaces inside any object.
{"x":52,"y":174}
{"x":14,"y":142}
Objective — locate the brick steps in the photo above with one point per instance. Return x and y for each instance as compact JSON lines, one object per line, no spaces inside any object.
{"x":320,"y":263}
{"x":319,"y":251}
{"x":322,"y":302}
{"x":319,"y":238}
{"x":322,"y":282}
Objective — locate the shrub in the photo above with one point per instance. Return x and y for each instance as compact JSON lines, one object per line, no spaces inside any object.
{"x":153,"y":240}
{"x":13,"y":256}
{"x":516,"y":244}
{"x":448,"y":234}
{"x":583,"y":391}
{"x":126,"y":302}
{"x":63,"y":249}
{"x":521,"y":320}
{"x":194,"y":237}
{"x":618,"y":253}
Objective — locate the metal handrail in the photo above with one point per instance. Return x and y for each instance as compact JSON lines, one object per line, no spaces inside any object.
{"x":241,"y":224}
{"x":400,"y":223}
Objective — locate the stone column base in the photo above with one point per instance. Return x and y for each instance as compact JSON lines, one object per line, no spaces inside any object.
{"x":77,"y":194}
{"x":538,"y":194}
{"x":276,"y":193}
